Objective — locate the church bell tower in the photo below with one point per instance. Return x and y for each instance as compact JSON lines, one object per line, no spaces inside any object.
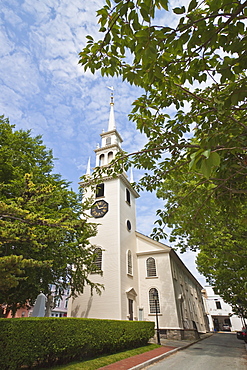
{"x":114,"y":211}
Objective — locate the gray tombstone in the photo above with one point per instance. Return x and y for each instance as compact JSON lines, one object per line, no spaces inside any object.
{"x":39,"y":307}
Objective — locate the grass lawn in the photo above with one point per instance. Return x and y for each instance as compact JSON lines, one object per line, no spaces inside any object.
{"x":96,"y":363}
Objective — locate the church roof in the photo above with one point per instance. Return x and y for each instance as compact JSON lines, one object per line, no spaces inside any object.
{"x":149,"y":245}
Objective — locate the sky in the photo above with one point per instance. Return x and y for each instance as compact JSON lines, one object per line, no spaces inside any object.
{"x":44,"y":89}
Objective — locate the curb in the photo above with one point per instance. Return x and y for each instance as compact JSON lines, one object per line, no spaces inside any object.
{"x":160,"y":357}
{"x":153,"y":360}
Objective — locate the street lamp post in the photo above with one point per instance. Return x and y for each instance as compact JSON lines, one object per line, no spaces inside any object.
{"x":156,"y":297}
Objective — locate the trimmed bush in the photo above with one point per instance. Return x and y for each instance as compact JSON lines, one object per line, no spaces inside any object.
{"x":46,"y":341}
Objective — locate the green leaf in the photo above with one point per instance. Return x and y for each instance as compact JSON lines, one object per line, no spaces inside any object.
{"x":214,"y":159}
{"x":123,"y":9}
{"x":192,"y":5}
{"x":179,"y":10}
{"x":107,"y":38}
{"x":206,"y":153}
{"x":206,"y":168}
{"x":164,"y":4}
{"x":145,"y":14}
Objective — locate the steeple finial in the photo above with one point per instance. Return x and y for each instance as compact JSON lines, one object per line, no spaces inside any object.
{"x":111,"y":124}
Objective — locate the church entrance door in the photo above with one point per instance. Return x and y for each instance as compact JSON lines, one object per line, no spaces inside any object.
{"x":130,"y":309}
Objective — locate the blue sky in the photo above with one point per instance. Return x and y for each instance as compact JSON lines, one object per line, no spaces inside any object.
{"x":43,"y":88}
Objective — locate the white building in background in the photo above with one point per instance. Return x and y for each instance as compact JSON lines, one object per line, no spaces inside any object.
{"x":60,"y":304}
{"x":220,"y":313}
{"x":134,"y":268}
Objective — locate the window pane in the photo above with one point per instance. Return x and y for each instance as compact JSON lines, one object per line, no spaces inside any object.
{"x":152,"y":304}
{"x":151,"y":268}
{"x":99,"y":190}
{"x":66,"y":303}
{"x":129,"y":263}
{"x":127,"y":196}
{"x":110,"y":157}
{"x":98,"y":259}
{"x":218,"y":305}
{"x":102,"y":159}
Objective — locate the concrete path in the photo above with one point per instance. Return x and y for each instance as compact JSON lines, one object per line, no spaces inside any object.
{"x":145,"y":359}
{"x":221,"y":351}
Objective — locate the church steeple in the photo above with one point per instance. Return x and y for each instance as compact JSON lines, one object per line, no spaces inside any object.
{"x":88,"y":173}
{"x":110,"y":140}
{"x":111,"y":124}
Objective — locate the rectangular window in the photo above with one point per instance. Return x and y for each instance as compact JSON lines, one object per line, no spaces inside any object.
{"x":57,"y":302}
{"x":66,"y":303}
{"x":130,"y":272}
{"x":128,"y":196}
{"x":99,"y":190}
{"x":218,"y":305}
{"x":108,"y":141}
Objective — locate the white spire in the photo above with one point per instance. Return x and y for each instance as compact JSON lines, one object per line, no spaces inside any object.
{"x":111,"y":124}
{"x":88,"y":168}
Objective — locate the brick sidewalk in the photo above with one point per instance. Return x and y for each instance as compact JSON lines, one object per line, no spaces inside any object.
{"x":130,"y":362}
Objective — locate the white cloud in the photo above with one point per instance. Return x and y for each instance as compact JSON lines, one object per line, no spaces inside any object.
{"x":6,"y":44}
{"x":19,"y":73}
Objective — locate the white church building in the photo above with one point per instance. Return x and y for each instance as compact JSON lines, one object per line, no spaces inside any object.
{"x":138,"y":273}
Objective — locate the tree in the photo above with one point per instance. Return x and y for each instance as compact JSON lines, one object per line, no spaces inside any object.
{"x":166,"y":62}
{"x":203,"y":222}
{"x":197,"y":69}
{"x":44,"y":231}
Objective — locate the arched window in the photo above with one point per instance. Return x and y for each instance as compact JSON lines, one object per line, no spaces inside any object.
{"x":110,"y":157}
{"x":154,"y":302}
{"x":98,"y":259}
{"x":151,"y":267}
{"x":101,"y":160}
{"x":129,"y":263}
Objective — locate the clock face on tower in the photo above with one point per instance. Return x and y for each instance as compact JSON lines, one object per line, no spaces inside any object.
{"x":99,"y":208}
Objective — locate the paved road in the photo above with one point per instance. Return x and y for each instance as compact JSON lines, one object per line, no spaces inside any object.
{"x":219,"y":351}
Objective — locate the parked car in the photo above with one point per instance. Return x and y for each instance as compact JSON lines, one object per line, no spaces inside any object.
{"x":242,"y":335}
{"x":226,"y":327}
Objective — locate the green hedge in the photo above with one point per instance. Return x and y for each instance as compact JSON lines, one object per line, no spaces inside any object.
{"x":45,"y":341}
